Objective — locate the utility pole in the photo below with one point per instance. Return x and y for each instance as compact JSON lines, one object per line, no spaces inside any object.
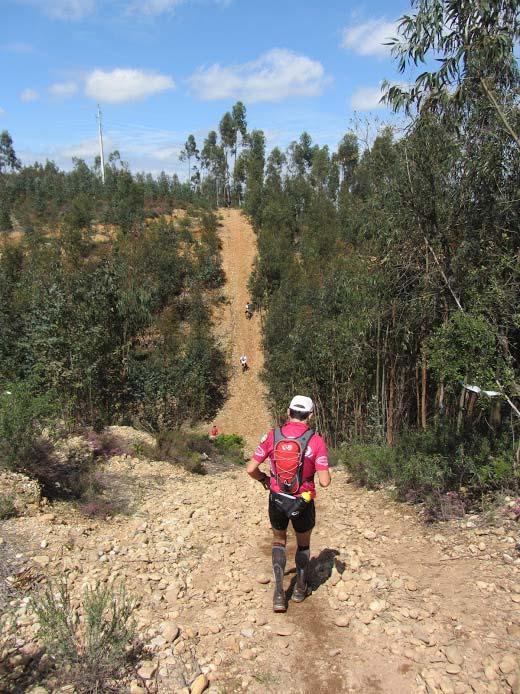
{"x":100,"y":130}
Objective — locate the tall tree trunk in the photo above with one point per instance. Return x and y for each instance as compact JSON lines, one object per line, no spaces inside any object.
{"x":417,"y":394}
{"x":424,"y":393}
{"x":460,"y":413}
{"x":496,"y":414}
{"x":391,"y":406}
{"x":391,"y":388}
{"x":378,"y":375}
{"x":471,"y":404}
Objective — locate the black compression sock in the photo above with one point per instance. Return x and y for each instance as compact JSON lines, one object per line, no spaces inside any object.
{"x":279,"y":557}
{"x":302,"y":557}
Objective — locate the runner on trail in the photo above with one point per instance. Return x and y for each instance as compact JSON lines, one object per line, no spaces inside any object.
{"x":295,"y":454}
{"x":213,"y":432}
{"x":243,"y":363}
{"x":249,"y":310}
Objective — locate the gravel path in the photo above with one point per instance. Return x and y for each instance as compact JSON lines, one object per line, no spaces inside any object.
{"x":397,"y":606}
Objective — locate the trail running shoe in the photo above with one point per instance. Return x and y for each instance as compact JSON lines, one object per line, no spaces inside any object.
{"x":299,"y":593}
{"x":279,"y":602}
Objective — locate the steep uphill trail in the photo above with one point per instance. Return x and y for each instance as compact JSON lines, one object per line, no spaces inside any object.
{"x":397,"y":607}
{"x":245,"y":411}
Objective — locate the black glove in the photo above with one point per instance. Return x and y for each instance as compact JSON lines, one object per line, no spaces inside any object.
{"x":265,"y":481}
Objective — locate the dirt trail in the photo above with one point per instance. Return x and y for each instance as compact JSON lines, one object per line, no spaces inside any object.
{"x":397,"y":607}
{"x":245,"y":412}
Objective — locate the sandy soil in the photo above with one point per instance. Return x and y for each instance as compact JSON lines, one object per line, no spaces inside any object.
{"x":245,"y":412}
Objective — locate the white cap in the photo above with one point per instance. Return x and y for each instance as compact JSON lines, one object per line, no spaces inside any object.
{"x":301,"y":403}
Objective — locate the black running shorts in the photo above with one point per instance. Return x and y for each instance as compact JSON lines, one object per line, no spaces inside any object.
{"x":302,"y":523}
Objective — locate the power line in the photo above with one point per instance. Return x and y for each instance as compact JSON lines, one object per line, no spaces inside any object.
{"x":100,"y":128}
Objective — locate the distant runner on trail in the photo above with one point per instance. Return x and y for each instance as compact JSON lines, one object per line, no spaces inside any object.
{"x":249,"y":310}
{"x":295,"y":454}
{"x":243,"y":363}
{"x":213,"y":432}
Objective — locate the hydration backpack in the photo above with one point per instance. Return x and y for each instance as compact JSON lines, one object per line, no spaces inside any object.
{"x":289,"y":452}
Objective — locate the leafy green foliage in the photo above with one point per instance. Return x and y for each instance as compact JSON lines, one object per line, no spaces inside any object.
{"x":231,"y":446}
{"x":427,"y":465}
{"x":23,"y":416}
{"x":92,"y":655}
{"x":466,"y":350}
{"x":472,"y":43}
{"x":388,"y":271}
{"x":7,"y":507}
{"x":188,"y":449}
{"x":369,"y":464}
{"x":120,"y":332}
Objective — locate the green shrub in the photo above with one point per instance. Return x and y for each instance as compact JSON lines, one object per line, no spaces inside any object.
{"x":189,"y":449}
{"x":231,"y":447}
{"x":182,"y":448}
{"x":23,"y":416}
{"x":7,"y":507}
{"x":369,"y":464}
{"x":420,"y":475}
{"x":229,"y":442}
{"x":433,"y":465}
{"x":97,"y":652}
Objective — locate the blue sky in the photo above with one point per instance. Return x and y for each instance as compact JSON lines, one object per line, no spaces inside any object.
{"x":162,"y":69}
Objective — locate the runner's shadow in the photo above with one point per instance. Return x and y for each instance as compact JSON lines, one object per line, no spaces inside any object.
{"x":320,"y":570}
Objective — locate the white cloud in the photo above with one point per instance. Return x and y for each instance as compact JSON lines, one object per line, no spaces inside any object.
{"x":122,"y":85}
{"x":29,"y":95}
{"x":153,"y":7}
{"x":67,"y":10}
{"x":143,"y":148}
{"x":367,"y":99}
{"x":273,"y":76}
{"x":368,"y":38}
{"x":165,"y":153}
{"x":2,"y":111}
{"x":63,"y":89}
{"x":156,"y":7}
{"x":85,"y":149}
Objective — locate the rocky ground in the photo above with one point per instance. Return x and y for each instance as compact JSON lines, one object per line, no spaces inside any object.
{"x":397,"y":606}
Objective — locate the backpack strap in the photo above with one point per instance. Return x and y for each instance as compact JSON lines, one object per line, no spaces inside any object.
{"x":305,"y":438}
{"x":278,"y":436}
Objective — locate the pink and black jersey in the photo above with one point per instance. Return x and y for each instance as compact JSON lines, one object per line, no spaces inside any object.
{"x":315,"y":457}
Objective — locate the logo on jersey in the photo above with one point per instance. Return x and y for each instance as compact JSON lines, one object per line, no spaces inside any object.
{"x":308,"y":452}
{"x":264,"y":438}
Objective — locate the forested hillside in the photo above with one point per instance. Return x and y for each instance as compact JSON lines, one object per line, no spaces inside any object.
{"x":389,"y":270}
{"x":105,"y":302}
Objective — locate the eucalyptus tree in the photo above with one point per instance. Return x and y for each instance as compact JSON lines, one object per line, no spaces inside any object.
{"x":228,"y":138}
{"x":8,"y":158}
{"x":188,"y":153}
{"x":255,"y":164}
{"x":473,"y":44}
{"x":348,"y":157}
{"x":213,"y":161}
{"x":238,"y":114}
